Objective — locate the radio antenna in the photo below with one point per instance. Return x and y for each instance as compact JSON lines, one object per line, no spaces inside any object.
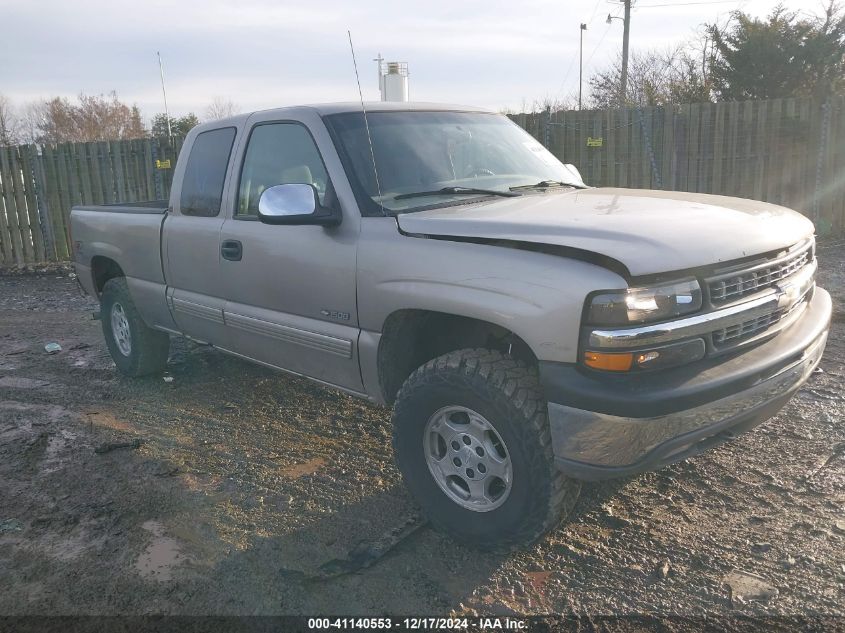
{"x":164,"y":92}
{"x":366,"y":122}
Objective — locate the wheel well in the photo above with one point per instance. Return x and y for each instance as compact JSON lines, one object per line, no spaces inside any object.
{"x":410,"y":338}
{"x":103,"y":269}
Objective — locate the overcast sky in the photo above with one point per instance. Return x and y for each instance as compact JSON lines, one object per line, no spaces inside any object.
{"x":265,"y":53}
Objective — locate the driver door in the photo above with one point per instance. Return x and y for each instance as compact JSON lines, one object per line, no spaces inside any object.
{"x":291,"y":293}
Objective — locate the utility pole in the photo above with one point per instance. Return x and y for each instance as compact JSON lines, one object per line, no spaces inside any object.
{"x":380,"y":62}
{"x":581,"y":65}
{"x":626,"y":33}
{"x":164,"y":92}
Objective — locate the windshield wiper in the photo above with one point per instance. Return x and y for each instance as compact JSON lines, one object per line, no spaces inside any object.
{"x":449,"y":191}
{"x":546,"y":184}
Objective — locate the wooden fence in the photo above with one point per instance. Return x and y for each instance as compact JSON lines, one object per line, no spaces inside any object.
{"x":40,"y":184}
{"x":787,"y":151}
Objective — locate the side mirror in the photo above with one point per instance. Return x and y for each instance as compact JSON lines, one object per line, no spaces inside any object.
{"x":294,"y":204}
{"x":572,"y":169}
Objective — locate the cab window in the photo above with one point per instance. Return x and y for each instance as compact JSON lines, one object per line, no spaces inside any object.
{"x":205,"y":173}
{"x":279,"y":154}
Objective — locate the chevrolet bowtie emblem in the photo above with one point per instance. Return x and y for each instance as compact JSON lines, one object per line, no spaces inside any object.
{"x":790,"y":291}
{"x":788,"y":294}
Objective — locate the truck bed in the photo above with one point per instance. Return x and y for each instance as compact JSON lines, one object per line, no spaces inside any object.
{"x":129,"y":235}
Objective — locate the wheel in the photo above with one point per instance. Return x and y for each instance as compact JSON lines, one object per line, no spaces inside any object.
{"x":136,"y":349}
{"x":472,"y":441}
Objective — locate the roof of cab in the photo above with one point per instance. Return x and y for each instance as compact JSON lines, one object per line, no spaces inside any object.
{"x":348,"y":106}
{"x":389,"y":106}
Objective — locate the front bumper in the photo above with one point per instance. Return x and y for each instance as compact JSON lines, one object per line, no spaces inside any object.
{"x":615,"y":426}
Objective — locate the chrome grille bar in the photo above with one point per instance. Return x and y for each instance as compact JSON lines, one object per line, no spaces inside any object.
{"x":738,"y":284}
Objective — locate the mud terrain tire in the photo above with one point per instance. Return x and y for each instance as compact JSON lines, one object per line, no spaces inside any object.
{"x":505,"y":392}
{"x":136,"y":349}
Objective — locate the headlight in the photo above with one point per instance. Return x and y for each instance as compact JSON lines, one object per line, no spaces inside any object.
{"x":638,"y":305}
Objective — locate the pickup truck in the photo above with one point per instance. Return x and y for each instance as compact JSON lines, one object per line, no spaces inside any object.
{"x":530,"y":332}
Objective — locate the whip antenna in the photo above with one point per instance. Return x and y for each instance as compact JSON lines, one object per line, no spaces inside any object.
{"x":366,"y":122}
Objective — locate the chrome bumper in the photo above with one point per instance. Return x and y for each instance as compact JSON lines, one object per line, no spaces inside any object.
{"x":591,"y":445}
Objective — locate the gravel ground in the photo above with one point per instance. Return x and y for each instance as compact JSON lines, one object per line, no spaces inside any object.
{"x":243,"y":491}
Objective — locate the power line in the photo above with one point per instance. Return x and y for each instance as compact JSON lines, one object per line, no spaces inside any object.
{"x":595,"y":10}
{"x":586,"y":64}
{"x":572,"y":60}
{"x":604,"y":35}
{"x":598,"y":45}
{"x":568,"y":70}
{"x":683,"y":4}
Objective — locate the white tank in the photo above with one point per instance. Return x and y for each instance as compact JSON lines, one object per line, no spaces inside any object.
{"x":394,"y":81}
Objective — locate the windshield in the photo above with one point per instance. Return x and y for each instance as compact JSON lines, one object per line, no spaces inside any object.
{"x":437,"y":158}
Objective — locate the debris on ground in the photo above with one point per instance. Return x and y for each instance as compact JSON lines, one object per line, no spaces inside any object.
{"x":10,"y":525}
{"x":168,"y":379}
{"x":52,"y":348}
{"x":114,"y":446}
{"x":836,"y":451}
{"x":745,"y":586}
{"x":305,"y":468}
{"x":538,"y":579}
{"x":663,"y":569}
{"x":368,"y":552}
{"x":161,"y":556}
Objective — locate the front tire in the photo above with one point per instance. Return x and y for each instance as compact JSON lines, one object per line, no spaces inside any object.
{"x":136,"y":349}
{"x":472,"y":440}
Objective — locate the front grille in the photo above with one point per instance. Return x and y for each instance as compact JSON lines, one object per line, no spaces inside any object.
{"x":746,"y":329}
{"x":735,"y":334}
{"x":725,"y":289}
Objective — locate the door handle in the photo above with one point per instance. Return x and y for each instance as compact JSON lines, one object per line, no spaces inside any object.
{"x":232,"y":250}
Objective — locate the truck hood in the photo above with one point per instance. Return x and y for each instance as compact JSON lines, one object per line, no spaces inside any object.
{"x":647,"y":231}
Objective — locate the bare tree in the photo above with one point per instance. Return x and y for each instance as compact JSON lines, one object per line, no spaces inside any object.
{"x":554,"y":103}
{"x":94,"y":118}
{"x":9,"y":123}
{"x":654,"y":78}
{"x":31,"y":120}
{"x":221,"y":108}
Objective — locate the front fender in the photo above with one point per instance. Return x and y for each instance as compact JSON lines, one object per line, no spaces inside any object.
{"x":537,"y":296}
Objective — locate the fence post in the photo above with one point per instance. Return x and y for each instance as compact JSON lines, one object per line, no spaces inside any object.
{"x":818,"y":193}
{"x":655,"y":174}
{"x":44,"y":218}
{"x":545,"y":128}
{"x":156,"y":171}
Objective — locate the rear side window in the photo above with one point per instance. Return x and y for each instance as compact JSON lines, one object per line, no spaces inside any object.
{"x":205,"y":173}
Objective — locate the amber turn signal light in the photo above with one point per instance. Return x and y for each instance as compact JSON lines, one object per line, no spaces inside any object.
{"x":608,"y":362}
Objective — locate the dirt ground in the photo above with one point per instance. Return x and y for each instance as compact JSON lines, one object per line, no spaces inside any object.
{"x":243,"y":491}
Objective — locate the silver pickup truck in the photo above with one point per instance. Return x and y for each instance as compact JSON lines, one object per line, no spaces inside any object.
{"x":529,"y":331}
